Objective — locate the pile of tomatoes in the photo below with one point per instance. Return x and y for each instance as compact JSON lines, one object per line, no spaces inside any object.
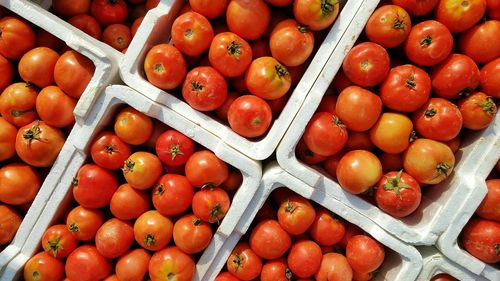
{"x":147,"y":203}
{"x":293,"y":238}
{"x":40,"y":83}
{"x":422,"y":76}
{"x":239,"y":69}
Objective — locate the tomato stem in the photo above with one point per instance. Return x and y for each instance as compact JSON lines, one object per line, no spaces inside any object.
{"x":196,"y":221}
{"x":188,"y":33}
{"x":399,"y":22}
{"x":160,"y":189}
{"x":497,"y":249}
{"x":33,"y":133}
{"x":430,"y":112}
{"x":149,"y":240}
{"x":54,"y":246}
{"x":171,"y":276}
{"x":288,"y":274}
{"x":290,"y":208}
{"x":234,"y":49}
{"x":128,"y":166}
{"x":196,"y":86}
{"x":175,"y":149}
{"x":159,"y":68}
{"x":395,"y":184}
{"x":488,"y":106}
{"x":302,"y":28}
{"x":442,"y":169}
{"x":410,"y":82}
{"x":413,"y":136}
{"x":110,"y":149}
{"x":238,"y":260}
{"x":281,"y":70}
{"x":327,"y":7}
{"x":215,"y":213}
{"x":465,"y":92}
{"x":73,"y":227}
{"x":426,"y":41}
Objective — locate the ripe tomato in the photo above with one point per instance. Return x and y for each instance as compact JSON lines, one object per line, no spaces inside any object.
{"x":248,"y":18}
{"x":205,"y":169}
{"x":19,"y":183}
{"x":398,"y":194}
{"x":81,"y":69}
{"x":325,"y":134}
{"x":192,"y":33}
{"x":478,"y":111}
{"x":114,"y":237}
{"x":480,"y":42}
{"x":459,"y":16}
{"x":334,"y":267}
{"x":17,"y":104}
{"x":358,"y":170}
{"x":191,"y":234}
{"x":84,"y":223}
{"x":316,"y":14}
{"x":127,"y":124}
{"x":481,"y":239}
{"x":490,"y":78}
{"x":43,"y":266}
{"x":331,"y":163}
{"x":304,"y":258}
{"x":269,"y":240}
{"x":174,"y":148}
{"x":37,"y":66}
{"x":135,"y":26}
{"x":388,"y":26}
{"x":108,"y":12}
{"x":38,"y":144}
{"x":68,"y":9}
{"x":267,"y":78}
{"x":10,"y":220}
{"x":8,"y":72}
{"x":128,"y":203}
{"x":222,"y":110}
{"x":443,"y":277}
{"x":358,"y":108}
{"x":416,"y":7}
{"x":15,"y":32}
{"x":249,"y":116}
{"x":165,"y":66}
{"x":366,"y":64}
{"x":8,"y":134}
{"x":87,"y":24}
{"x":392,"y":132}
{"x":133,"y":266}
{"x":276,"y":270}
{"x":493,"y":9}
{"x":58,"y":241}
{"x":211,"y":204}
{"x":306,"y":155}
{"x":153,"y":231}
{"x":438,"y":119}
{"x":55,"y":108}
{"x":172,"y":194}
{"x":326,"y":230}
{"x":428,"y":161}
{"x":142,"y":169}
{"x":171,"y":263}
{"x":204,"y":89}
{"x":429,"y":43}
{"x":364,"y":254}
{"x":233,"y":181}
{"x":490,"y":207}
{"x":291,"y":43}
{"x":296,"y":215}
{"x":244,"y":262}
{"x":109,"y":151}
{"x":94,"y":186}
{"x":230,"y":54}
{"x":406,"y":88}
{"x":85,"y":263}
{"x":117,"y":35}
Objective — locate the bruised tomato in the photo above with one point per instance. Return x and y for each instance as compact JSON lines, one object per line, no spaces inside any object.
{"x":39,"y":144}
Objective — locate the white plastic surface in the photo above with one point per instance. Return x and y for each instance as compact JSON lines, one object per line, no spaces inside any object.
{"x":103,"y":114}
{"x":155,"y":29}
{"x":402,"y":262}
{"x":440,"y":203}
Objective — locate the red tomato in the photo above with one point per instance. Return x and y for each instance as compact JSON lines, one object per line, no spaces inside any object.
{"x":269,"y":240}
{"x":493,"y":9}
{"x":481,"y":42}
{"x":230,"y":54}
{"x":392,"y":132}
{"x":73,"y":72}
{"x":10,"y":220}
{"x":438,"y":119}
{"x":37,"y":66}
{"x":331,"y":163}
{"x":325,"y":134}
{"x":429,"y":43}
{"x":192,"y":33}
{"x":165,"y":66}
{"x":205,"y":169}
{"x":276,"y":270}
{"x":128,"y":203}
{"x":142,"y":169}
{"x":8,"y":134}
{"x":428,"y":161}
{"x":334,"y":267}
{"x":117,"y":35}
{"x":94,"y":186}
{"x":388,"y":26}
{"x":133,"y":266}
{"x":260,"y":48}
{"x":43,"y":266}
{"x":170,"y":263}
{"x":391,"y":162}
{"x":249,"y":116}
{"x":114,"y":238}
{"x":67,"y":9}
{"x":443,"y":277}
{"x":490,"y":206}
{"x":326,"y":230}
{"x":222,"y":110}
{"x":17,"y":104}
{"x":364,"y":254}
{"x":398,"y":194}
{"x":172,"y":194}
{"x":416,"y":7}
{"x":204,"y":89}
{"x":226,"y":276}
{"x":304,"y":258}
{"x":84,"y":223}
{"x":233,"y":181}
{"x":296,"y":215}
{"x":87,"y":264}
{"x":39,"y":144}
{"x":244,"y":262}
{"x":306,"y":155}
{"x":19,"y":183}
{"x":248,"y":18}
{"x":15,"y":32}
{"x":55,"y":108}
{"x":87,"y":24}
{"x":127,"y":124}
{"x":153,"y":231}
{"x":358,"y":108}
{"x":316,"y":14}
{"x":7,"y":72}
{"x":109,"y":151}
{"x":209,"y":8}
{"x":481,"y":239}
{"x":366,"y":64}
{"x":490,"y":78}
{"x":108,"y":12}
{"x":327,"y":104}
{"x":267,"y":78}
{"x":191,"y":234}
{"x":211,"y":204}
{"x":59,"y":241}
{"x":291,"y":43}
{"x":358,"y":170}
{"x":459,"y":16}
{"x":478,"y":111}
{"x":174,"y":148}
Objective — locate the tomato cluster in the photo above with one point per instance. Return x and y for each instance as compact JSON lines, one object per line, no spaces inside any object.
{"x":240,"y":69}
{"x":36,"y":111}
{"x":149,"y":200}
{"x":293,"y":238}
{"x":414,"y":84}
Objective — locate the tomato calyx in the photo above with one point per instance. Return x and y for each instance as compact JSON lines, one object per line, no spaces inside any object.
{"x":33,"y":133}
{"x":442,"y":169}
{"x":110,"y":149}
{"x":171,"y":276}
{"x":188,"y":33}
{"x":410,"y":82}
{"x":426,"y":41}
{"x":234,"y":49}
{"x":288,"y":274}
{"x":160,"y":189}
{"x":399,"y":23}
{"x":487,"y":105}
{"x":159,"y":68}
{"x":430,"y":112}
{"x":290,"y":208}
{"x":128,"y":166}
{"x":149,"y":240}
{"x":327,"y":7}
{"x":302,"y":28}
{"x":395,"y":184}
{"x":196,"y":221}
{"x":337,"y":122}
{"x":215,"y":213}
{"x":175,"y":149}
{"x":196,"y":86}
{"x":413,"y":136}
{"x":73,"y":227}
{"x":74,"y":182}
{"x":281,"y":70}
{"x":54,"y":246}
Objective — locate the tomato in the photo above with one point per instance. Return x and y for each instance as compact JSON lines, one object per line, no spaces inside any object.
{"x":276,"y":270}
{"x":204,"y":89}
{"x":171,"y":264}
{"x":358,"y":170}
{"x":406,"y":88}
{"x":165,"y":66}
{"x":211,"y":204}
{"x":480,"y":42}
{"x":174,"y":148}
{"x":316,"y":14}
{"x":359,"y":140}
{"x":267,"y":78}
{"x":58,"y":241}
{"x":392,"y":132}
{"x":108,"y":12}
{"x":222,"y":110}
{"x":304,"y":258}
{"x":109,"y":151}
{"x":331,"y":163}
{"x":209,"y":8}
{"x":81,"y":69}
{"x":191,"y":234}
{"x":269,"y":240}
{"x":334,"y":267}
{"x":325,"y":134}
{"x":230,"y":54}
{"x":226,"y":276}
{"x":55,"y":108}
{"x":142,"y":169}
{"x":15,"y":32}
{"x":112,"y":278}
{"x":459,"y":16}
{"x":47,"y":39}
{"x":490,"y":78}
{"x":84,"y":223}
{"x":358,"y":108}
{"x":389,"y":26}
{"x":326,"y":230}
{"x":248,"y":18}
{"x":249,"y":116}
{"x":233,"y":181}
{"x":128,"y":203}
{"x":481,"y":238}
{"x":172,"y":194}
{"x":205,"y":169}
{"x":438,"y":119}
{"x":327,"y":104}
{"x":19,"y":183}
{"x":366,"y":64}
{"x":37,"y":66}
{"x":391,"y":162}
{"x":117,"y":35}
{"x":454,"y":144}
{"x":68,"y":9}
{"x":260,"y":48}
{"x":244,"y":262}
{"x":416,"y":7}
{"x":10,"y":221}
{"x":490,"y":207}
{"x":443,"y":277}
{"x":135,"y":26}
{"x":364,"y":254}
{"x":87,"y":24}
{"x":38,"y":144}
{"x":398,"y":194}
{"x":478,"y":111}
{"x":493,"y":9}
{"x":291,"y":43}
{"x":94,"y":186}
{"x":296,"y":215}
{"x":43,"y":266}
{"x":192,"y":33}
{"x":8,"y":72}
{"x":17,"y":104}
{"x":133,"y":266}
{"x":87,"y":264}
{"x":428,"y":161}
{"x":127,"y":122}
{"x":153,"y":231}
{"x":340,"y":82}
{"x":306,"y":155}
{"x":114,"y":237}
{"x":8,"y":134}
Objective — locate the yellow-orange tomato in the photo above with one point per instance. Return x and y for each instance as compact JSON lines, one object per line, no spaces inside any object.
{"x":55,"y":107}
{"x":38,"y":143}
{"x":132,"y":126}
{"x":37,"y":66}
{"x":19,"y":183}
{"x":73,"y":73}
{"x":392,"y":132}
{"x":10,"y":221}
{"x":17,"y":104}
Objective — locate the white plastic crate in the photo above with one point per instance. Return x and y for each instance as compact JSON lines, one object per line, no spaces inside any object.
{"x":402,"y":262}
{"x":439,"y":204}
{"x":103,"y":114}
{"x":155,"y":29}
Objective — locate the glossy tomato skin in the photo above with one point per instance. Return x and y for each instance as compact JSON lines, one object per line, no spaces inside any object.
{"x":87,"y":264}
{"x":211,"y":204}
{"x":388,"y":26}
{"x":10,"y":220}
{"x":128,"y":203}
{"x":191,"y":234}
{"x":481,"y":239}
{"x":366,"y":64}
{"x":15,"y":32}
{"x":248,"y":18}
{"x":114,"y":238}
{"x":55,"y":108}
{"x":172,"y":194}
{"x":296,"y":215}
{"x":165,"y":66}
{"x":37,"y":66}
{"x":39,"y":144}
{"x":43,"y":266}
{"x":459,"y":16}
{"x":490,"y":208}
{"x":326,"y":230}
{"x":153,"y":231}
{"x":209,"y":8}
{"x":325,"y":134}
{"x":291,"y":43}
{"x":84,"y":222}
{"x":334,"y":266}
{"x":133,"y":265}
{"x":87,"y":24}
{"x":19,"y":183}
{"x":109,"y":151}
{"x":230,"y":54}
{"x":94,"y":186}
{"x":204,"y":89}
{"x":8,"y":72}
{"x":392,"y":132}
{"x":429,"y":43}
{"x":18,"y":103}
{"x":244,"y":262}
{"x":398,"y":194}
{"x":171,"y":261}
{"x":358,"y":170}
{"x":8,"y":134}
{"x":205,"y":169}
{"x":316,"y":14}
{"x":58,"y":241}
{"x":438,"y":119}
{"x":490,"y":78}
{"x":416,"y":7}
{"x":126,"y":123}
{"x":364,"y":254}
{"x":304,"y":258}
{"x":481,"y":43}
{"x":174,"y":148}
{"x":358,"y":108}
{"x":478,"y":111}
{"x":108,"y":12}
{"x":142,"y":169}
{"x":267,"y":78}
{"x":249,"y":116}
{"x":269,"y":240}
{"x":192,"y":33}
{"x":456,"y":76}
